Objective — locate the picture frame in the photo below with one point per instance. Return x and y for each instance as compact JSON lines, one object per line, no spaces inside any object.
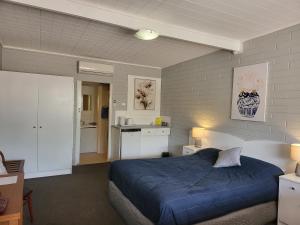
{"x":249,"y":92}
{"x":144,"y":94}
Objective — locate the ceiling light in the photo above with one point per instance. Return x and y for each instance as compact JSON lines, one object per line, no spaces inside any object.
{"x":146,"y":34}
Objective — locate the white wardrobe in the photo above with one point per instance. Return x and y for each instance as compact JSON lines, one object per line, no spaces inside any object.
{"x":36,"y":121}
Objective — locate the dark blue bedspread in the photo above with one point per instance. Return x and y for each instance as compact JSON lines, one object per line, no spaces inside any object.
{"x":186,"y":190}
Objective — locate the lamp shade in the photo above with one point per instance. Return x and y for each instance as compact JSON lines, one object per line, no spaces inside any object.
{"x":197,"y":132}
{"x":295,"y":152}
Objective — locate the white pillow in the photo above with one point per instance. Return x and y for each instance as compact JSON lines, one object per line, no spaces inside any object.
{"x":228,"y":158}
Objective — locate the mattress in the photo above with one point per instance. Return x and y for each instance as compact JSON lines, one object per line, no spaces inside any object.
{"x":262,"y":214}
{"x":188,"y":190}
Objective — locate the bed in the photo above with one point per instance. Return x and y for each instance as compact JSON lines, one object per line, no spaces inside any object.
{"x":187,"y":190}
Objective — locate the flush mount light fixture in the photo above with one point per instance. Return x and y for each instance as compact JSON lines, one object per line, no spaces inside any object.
{"x":146,"y":34}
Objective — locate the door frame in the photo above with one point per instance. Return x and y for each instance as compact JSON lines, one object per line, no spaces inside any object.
{"x":77,"y":116}
{"x":77,"y":119}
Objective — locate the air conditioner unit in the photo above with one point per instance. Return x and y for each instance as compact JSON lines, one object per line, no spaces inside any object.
{"x":95,"y":68}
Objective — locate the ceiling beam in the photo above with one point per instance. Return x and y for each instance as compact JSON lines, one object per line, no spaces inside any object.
{"x":98,"y":13}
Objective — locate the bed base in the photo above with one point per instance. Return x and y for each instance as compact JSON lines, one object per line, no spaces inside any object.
{"x":261,"y":214}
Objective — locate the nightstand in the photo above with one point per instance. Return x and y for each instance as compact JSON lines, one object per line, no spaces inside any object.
{"x":289,"y":200}
{"x":190,"y":149}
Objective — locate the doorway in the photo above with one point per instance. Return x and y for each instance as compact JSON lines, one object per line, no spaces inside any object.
{"x":94,"y":122}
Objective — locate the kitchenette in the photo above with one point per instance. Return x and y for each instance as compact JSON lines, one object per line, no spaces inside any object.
{"x":140,"y":131}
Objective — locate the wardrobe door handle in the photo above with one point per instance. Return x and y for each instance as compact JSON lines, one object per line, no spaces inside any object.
{"x":41,"y":127}
{"x":34,"y":127}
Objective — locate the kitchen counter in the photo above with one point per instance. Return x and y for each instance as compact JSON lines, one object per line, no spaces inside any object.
{"x":137,"y":126}
{"x":88,"y":126}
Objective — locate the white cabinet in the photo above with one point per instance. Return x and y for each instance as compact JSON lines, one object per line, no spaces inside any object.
{"x":155,"y":131}
{"x":190,"y":149}
{"x":18,"y":118}
{"x":154,"y":141}
{"x":36,"y":121}
{"x":55,"y":122}
{"x":88,"y":139}
{"x":289,"y":200}
{"x":138,"y":142}
{"x":131,"y":144}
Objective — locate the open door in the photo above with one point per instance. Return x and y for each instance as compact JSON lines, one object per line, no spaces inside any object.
{"x":92,"y":131}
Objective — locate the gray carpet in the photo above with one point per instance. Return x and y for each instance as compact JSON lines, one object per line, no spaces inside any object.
{"x":77,"y":199}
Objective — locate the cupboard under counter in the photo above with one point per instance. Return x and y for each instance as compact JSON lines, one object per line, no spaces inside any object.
{"x":140,"y":141}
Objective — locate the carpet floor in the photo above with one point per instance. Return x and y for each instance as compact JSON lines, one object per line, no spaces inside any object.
{"x":77,"y":199}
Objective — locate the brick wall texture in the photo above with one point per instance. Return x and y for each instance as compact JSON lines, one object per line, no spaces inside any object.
{"x":198,"y":92}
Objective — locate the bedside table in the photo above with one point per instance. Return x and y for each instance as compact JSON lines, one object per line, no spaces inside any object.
{"x":190,"y":149}
{"x":289,"y":200}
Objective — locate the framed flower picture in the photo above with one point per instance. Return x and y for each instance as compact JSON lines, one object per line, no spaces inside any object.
{"x":249,"y":92}
{"x":144,"y":94}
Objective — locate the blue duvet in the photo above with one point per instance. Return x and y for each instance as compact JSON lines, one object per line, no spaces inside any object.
{"x":186,"y":190}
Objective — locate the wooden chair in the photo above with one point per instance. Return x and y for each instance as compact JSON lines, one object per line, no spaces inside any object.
{"x":27,"y":200}
{"x":12,"y":167}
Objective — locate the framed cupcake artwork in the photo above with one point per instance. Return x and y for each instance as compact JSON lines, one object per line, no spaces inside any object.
{"x":249,"y":94}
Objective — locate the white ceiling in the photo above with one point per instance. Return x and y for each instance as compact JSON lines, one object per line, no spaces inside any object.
{"x":27,"y":27}
{"x":221,"y":23}
{"x":238,"y":19}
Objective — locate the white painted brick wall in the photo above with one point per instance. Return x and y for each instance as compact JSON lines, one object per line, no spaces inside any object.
{"x":198,"y":92}
{"x":1,"y":56}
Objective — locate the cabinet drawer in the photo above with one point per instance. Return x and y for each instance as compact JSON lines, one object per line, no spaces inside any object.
{"x":163,"y":131}
{"x":289,"y":202}
{"x":155,"y":131}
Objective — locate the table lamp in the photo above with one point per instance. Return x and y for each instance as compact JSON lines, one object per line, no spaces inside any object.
{"x":295,"y":155}
{"x":197,"y":133}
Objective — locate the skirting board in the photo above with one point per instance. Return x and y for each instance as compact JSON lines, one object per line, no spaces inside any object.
{"x":48,"y":173}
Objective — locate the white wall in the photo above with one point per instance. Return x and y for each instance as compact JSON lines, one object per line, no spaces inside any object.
{"x":198,"y":92}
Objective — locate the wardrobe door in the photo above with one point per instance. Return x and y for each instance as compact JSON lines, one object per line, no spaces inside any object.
{"x":55,"y":122}
{"x":18,"y":118}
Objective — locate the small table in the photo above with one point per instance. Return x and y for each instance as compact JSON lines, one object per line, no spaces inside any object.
{"x":13,"y":214}
{"x":190,"y":149}
{"x":288,"y":200}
